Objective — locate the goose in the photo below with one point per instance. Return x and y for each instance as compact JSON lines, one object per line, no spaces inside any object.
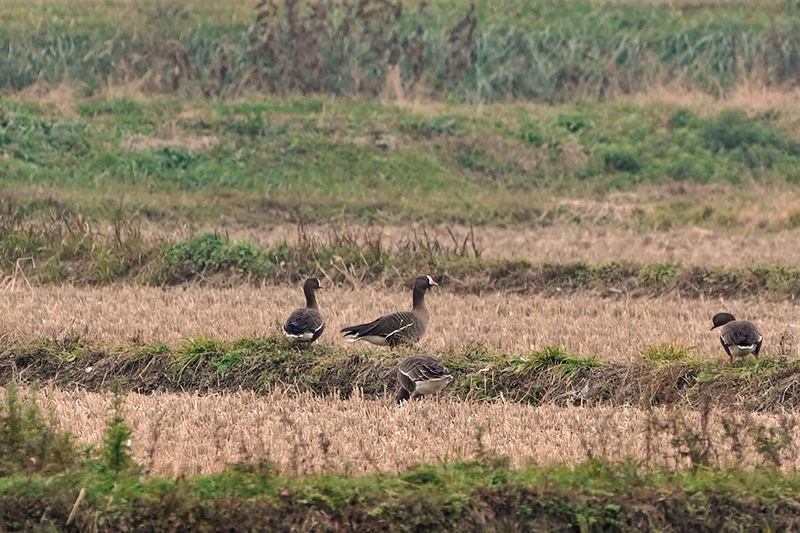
{"x":738,"y":337}
{"x":421,"y":375}
{"x":306,"y":324}
{"x":403,"y":327}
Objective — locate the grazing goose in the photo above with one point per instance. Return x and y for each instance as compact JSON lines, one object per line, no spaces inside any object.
{"x":420,"y":375}
{"x":306,"y":324}
{"x":404,"y":327}
{"x":738,"y":337}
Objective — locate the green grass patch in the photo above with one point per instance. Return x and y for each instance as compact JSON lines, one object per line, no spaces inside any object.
{"x":556,"y":359}
{"x":318,"y":159}
{"x":211,"y":252}
{"x":598,"y":496}
{"x":667,"y":352}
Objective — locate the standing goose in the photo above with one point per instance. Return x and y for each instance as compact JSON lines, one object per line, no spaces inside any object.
{"x":738,"y":337}
{"x":403,"y":327}
{"x":306,"y":324}
{"x":420,"y":375}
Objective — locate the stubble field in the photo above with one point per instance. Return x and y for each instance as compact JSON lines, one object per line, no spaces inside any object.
{"x":606,"y":236}
{"x":190,"y":433}
{"x":303,"y":434}
{"x":616,"y":329}
{"x":580,"y":175}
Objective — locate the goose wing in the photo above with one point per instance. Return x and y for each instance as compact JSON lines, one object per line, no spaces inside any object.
{"x":386,"y":326}
{"x":421,"y":375}
{"x":742,"y":334}
{"x":423,"y":368}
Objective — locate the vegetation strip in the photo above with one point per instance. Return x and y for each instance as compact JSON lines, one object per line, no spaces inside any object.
{"x":49,"y":255}
{"x":666,"y":376}
{"x":49,"y":483}
{"x":316,"y":159}
{"x":549,"y":52}
{"x":461,"y":497}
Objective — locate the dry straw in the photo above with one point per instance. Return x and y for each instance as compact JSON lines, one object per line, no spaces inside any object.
{"x":604,"y":238}
{"x":301,"y":433}
{"x":615,"y":329}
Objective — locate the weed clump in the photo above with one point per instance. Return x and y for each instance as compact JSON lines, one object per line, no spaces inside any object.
{"x":28,"y":443}
{"x":211,"y":253}
{"x":733,"y":129}
{"x":356,"y":47}
{"x":667,"y":352}
{"x":557,"y":359}
{"x":116,"y":450}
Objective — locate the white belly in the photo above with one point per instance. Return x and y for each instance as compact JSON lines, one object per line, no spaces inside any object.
{"x":304,"y":337}
{"x":374,"y":339}
{"x":740,"y":351}
{"x":430,"y":386}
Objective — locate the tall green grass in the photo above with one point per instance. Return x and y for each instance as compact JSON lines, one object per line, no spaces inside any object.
{"x":551,"y":51}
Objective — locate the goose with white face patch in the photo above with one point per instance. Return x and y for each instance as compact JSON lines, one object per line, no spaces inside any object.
{"x":421,"y":375}
{"x":738,"y":337}
{"x":306,"y":324}
{"x":403,"y":327}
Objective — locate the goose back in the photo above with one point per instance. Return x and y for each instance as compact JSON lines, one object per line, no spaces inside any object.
{"x":421,"y":375}
{"x":738,"y":337}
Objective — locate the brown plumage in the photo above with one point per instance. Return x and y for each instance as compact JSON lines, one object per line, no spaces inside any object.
{"x":404,"y":327}
{"x":421,"y":375}
{"x":738,"y":337}
{"x":306,"y":324}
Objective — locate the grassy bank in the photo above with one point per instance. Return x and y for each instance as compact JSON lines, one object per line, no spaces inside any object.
{"x":461,"y":497}
{"x":70,"y":252}
{"x":48,"y":483}
{"x":668,"y":374}
{"x":316,"y":159}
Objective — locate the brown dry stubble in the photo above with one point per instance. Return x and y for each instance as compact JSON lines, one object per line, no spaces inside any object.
{"x":558,"y":243}
{"x":615,"y":329}
{"x":186,"y":433}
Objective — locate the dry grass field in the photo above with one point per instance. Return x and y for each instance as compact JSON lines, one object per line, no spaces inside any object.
{"x":592,"y":243}
{"x":765,"y":231}
{"x":627,"y":148}
{"x":187,"y":433}
{"x":614,"y":329}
